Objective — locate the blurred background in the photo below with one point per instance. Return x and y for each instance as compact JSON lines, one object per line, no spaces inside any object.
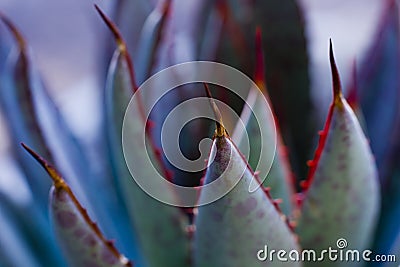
{"x":68,"y":41}
{"x":72,"y":48}
{"x":67,"y":38}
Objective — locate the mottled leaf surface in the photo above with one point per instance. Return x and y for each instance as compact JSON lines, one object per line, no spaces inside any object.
{"x":231,"y":230}
{"x":79,"y":237}
{"x":265,"y":140}
{"x":160,"y":228}
{"x":261,"y":137}
{"x":33,"y":228}
{"x":342,"y":191}
{"x":32,"y":117}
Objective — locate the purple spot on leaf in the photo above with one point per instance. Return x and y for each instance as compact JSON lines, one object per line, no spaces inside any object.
{"x":260,"y":214}
{"x":90,"y":240}
{"x":79,"y":232}
{"x":244,"y":208}
{"x":66,"y":219}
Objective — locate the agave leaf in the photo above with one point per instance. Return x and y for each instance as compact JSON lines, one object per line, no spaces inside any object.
{"x":33,"y":227}
{"x":186,"y":26}
{"x":287,"y":76}
{"x":5,"y":46}
{"x":18,"y":209}
{"x":231,"y":230}
{"x":131,"y":16}
{"x":13,"y":249}
{"x":33,"y":118}
{"x":395,"y":251}
{"x":160,"y":227}
{"x":17,"y":106}
{"x":211,"y":39}
{"x":286,"y":73}
{"x":233,"y":47}
{"x":111,"y":135}
{"x":150,"y":39}
{"x":342,"y":190}
{"x":388,"y":227}
{"x":181,"y":43}
{"x":263,"y":136}
{"x":353,"y":98}
{"x":79,"y":237}
{"x":379,"y":91}
{"x":379,"y":97}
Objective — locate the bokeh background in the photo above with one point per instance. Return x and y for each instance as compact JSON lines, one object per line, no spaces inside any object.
{"x":72,"y":48}
{"x":68,"y":41}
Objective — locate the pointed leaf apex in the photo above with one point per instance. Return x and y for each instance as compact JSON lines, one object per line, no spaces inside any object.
{"x":14,"y":31}
{"x":122,"y":47}
{"x":114,"y":30}
{"x":220,"y":130}
{"x":337,"y":87}
{"x":55,"y":176}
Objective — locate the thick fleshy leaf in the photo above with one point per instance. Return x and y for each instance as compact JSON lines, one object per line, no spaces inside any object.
{"x":33,"y":117}
{"x":263,"y":135}
{"x":5,"y":46}
{"x":231,"y":230}
{"x":160,"y":227}
{"x":79,"y":237}
{"x":388,"y":227}
{"x":20,"y":114}
{"x":130,"y":16}
{"x":29,"y":113}
{"x":342,"y":191}
{"x":13,"y":249}
{"x":288,"y":77}
{"x":19,"y":211}
{"x":396,"y":252}
{"x":181,"y":43}
{"x":286,"y":70}
{"x":379,"y":90}
{"x":150,"y":39}
{"x":353,"y":98}
{"x":33,"y":227}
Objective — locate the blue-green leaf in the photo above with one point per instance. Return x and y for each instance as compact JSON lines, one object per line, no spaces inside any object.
{"x":231,"y":230}
{"x":160,"y":228}
{"x":32,"y":117}
{"x":342,"y":192}
{"x":81,"y":240}
{"x":264,"y":137}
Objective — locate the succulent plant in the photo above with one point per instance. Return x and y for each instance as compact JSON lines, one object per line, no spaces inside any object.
{"x":348,"y":201}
